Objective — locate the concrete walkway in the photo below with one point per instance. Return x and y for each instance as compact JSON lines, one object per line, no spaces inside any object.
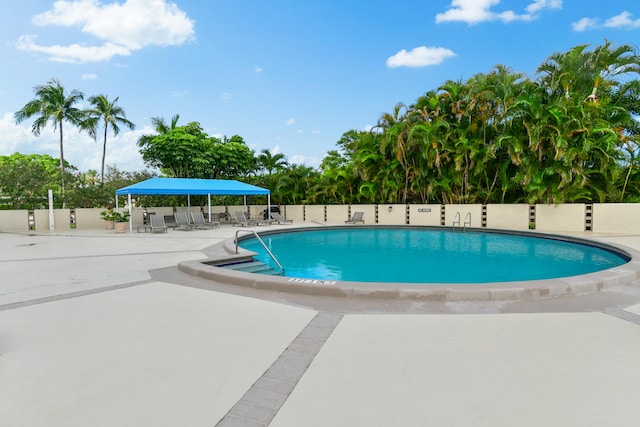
{"x":98,"y":329}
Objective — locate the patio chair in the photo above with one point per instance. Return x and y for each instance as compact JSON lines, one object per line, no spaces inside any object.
{"x":182,"y":221}
{"x":278,"y":218}
{"x":199,"y":222}
{"x":170,"y":221}
{"x":242,"y":221}
{"x":355,"y":218}
{"x":156,"y":224}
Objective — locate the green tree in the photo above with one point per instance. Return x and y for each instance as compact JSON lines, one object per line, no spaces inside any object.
{"x":26,"y":178}
{"x":294,"y":184}
{"x":181,"y":152}
{"x":230,"y":159}
{"x":111,"y":115}
{"x":53,"y":105}
{"x":271,"y":162}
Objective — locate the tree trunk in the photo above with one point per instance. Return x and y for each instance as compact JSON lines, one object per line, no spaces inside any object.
{"x":104,"y":153}
{"x":62,"y":166}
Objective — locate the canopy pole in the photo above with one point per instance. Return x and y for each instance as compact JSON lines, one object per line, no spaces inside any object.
{"x":209,"y":204}
{"x":269,"y":207}
{"x":116,"y":200}
{"x":244,"y":197}
{"x":130,"y":216}
{"x":188,"y":206}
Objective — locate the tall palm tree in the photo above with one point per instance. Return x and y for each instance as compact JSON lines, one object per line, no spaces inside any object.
{"x":271,"y":162}
{"x":52,"y":104}
{"x":111,"y":116}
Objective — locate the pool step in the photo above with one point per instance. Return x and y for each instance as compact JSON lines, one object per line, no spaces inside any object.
{"x":252,"y":266}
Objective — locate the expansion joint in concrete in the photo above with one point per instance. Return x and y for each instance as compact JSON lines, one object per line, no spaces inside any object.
{"x":623,"y":314}
{"x":77,"y":294}
{"x":264,"y":399}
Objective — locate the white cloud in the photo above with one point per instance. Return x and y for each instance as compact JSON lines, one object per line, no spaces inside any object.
{"x":471,"y":11}
{"x":300,"y":131}
{"x":226,"y":96}
{"x":89,"y":76}
{"x":290,"y":122}
{"x":585,"y":24}
{"x":539,"y":5}
{"x":258,"y":69}
{"x":80,"y":150}
{"x":622,"y":20}
{"x":476,"y":11}
{"x":179,"y":93}
{"x":123,"y":28}
{"x":421,"y":56}
{"x":75,"y":53}
{"x":299,"y":159}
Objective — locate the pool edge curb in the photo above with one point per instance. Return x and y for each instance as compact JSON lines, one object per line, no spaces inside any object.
{"x":533,"y":290}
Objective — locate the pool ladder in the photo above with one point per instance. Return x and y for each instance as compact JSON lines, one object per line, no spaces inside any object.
{"x":263,"y":245}
{"x":467,"y":221}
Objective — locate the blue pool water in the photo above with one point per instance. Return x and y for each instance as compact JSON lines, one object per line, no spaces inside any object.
{"x":412,"y":255}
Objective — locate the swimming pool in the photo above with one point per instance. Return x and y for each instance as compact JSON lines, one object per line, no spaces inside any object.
{"x":427,"y":256}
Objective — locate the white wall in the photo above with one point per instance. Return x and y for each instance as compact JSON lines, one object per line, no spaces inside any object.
{"x":606,"y":217}
{"x":337,"y":214}
{"x":89,"y":218}
{"x":451,"y":211}
{"x":392,"y":214}
{"x":510,"y":217}
{"x":17,"y":220}
{"x":566,"y":217}
{"x":369,"y":212}
{"x":425,"y":215}
{"x":294,"y":212}
{"x":314,"y":213}
{"x":616,"y":218}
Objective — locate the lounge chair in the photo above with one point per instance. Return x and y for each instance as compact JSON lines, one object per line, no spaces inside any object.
{"x":182,"y":221}
{"x":170,"y":221}
{"x":280,"y":219}
{"x":242,"y":221}
{"x":355,"y":218}
{"x":199,"y":222}
{"x":156,"y":224}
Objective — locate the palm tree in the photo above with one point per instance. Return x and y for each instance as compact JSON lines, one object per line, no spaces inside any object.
{"x":111,"y":115}
{"x":52,"y":104}
{"x":161,"y":127}
{"x":607,"y":63}
{"x":271,"y":162}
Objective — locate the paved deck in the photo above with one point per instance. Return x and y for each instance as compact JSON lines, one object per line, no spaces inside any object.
{"x":98,"y":329}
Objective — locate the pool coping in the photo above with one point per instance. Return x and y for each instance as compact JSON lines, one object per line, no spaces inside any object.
{"x":531,"y":290}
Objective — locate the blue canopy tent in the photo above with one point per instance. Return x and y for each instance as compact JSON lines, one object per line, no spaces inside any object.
{"x":188,"y":186}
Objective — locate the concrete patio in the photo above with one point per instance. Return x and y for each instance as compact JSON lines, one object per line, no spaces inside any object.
{"x":99,"y":329}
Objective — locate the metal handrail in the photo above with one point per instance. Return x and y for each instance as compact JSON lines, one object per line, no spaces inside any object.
{"x":263,"y":245}
{"x":456,"y":220}
{"x":467,"y":220}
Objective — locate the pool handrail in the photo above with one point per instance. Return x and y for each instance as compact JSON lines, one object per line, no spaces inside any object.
{"x":273,"y":257}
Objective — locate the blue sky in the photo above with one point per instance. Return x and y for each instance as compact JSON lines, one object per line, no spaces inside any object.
{"x":290,"y":76}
